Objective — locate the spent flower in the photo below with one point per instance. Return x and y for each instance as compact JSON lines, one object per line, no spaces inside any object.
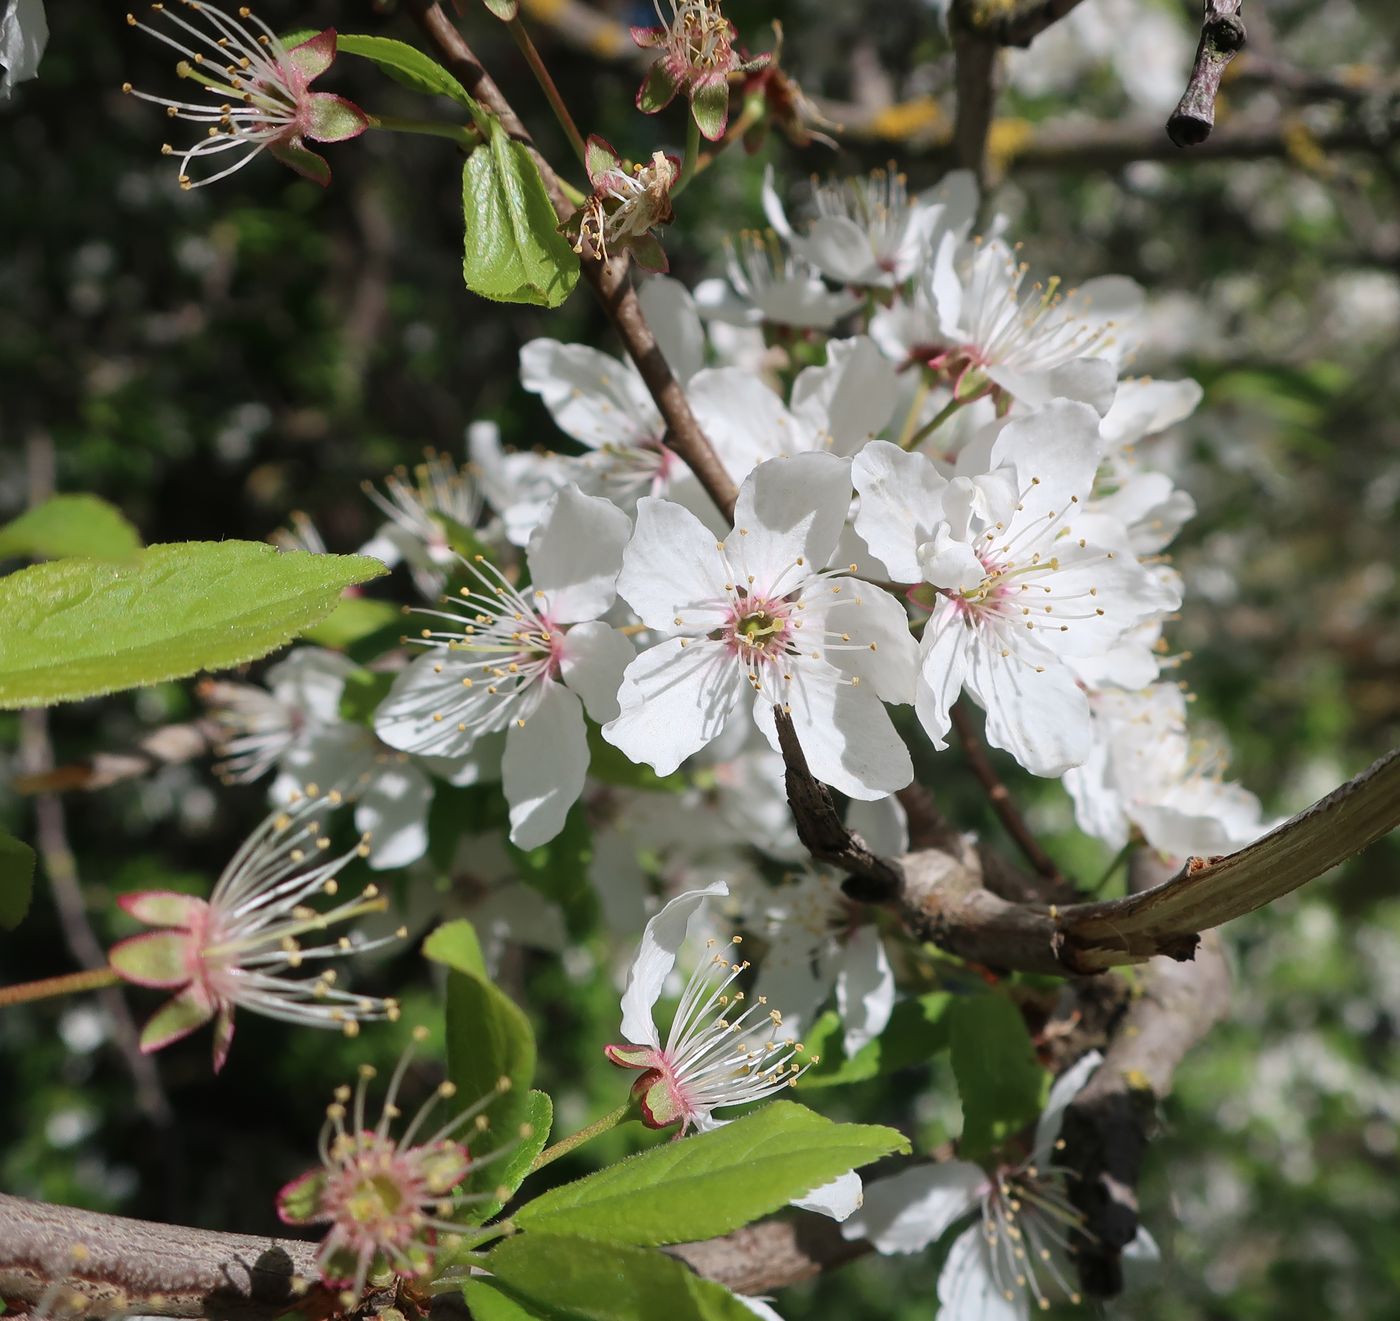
{"x":388,"y":1202}
{"x":236,"y":949}
{"x":624,"y":206}
{"x":258,"y":88}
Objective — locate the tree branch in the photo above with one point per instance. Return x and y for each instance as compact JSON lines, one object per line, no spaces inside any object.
{"x":608,"y":279}
{"x":773,"y":1254}
{"x":1222,"y":37}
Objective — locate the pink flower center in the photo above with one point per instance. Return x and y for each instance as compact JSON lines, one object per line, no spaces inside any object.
{"x":759,"y":629}
{"x":376,"y":1192}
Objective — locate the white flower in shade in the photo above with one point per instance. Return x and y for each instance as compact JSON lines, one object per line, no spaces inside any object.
{"x":415,"y":505}
{"x":836,"y":407}
{"x":1019,"y":588}
{"x":24,"y":32}
{"x":387,"y":1202}
{"x":1014,"y":1258}
{"x":234,"y":950}
{"x":258,"y":88}
{"x":295,"y":725}
{"x":767,"y":284}
{"x":758,"y":612}
{"x":972,"y":325}
{"x":516,"y":484}
{"x":869,"y":231}
{"x":1146,"y":772}
{"x":722,"y":1049}
{"x":817,"y":941}
{"x":519,"y":661}
{"x":604,"y":404}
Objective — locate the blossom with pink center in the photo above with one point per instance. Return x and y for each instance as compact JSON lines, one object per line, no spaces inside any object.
{"x":259,"y":88}
{"x":388,"y":1202}
{"x":697,"y":57}
{"x":758,"y":612}
{"x":722,"y":1049}
{"x":235,"y":949}
{"x":1027,"y":579}
{"x":526,"y":663}
{"x":973,"y":327}
{"x":605,"y":405}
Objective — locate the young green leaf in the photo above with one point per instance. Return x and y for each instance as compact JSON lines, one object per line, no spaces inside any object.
{"x":513,"y":251}
{"x":488,"y":1036}
{"x":713,"y":1182}
{"x":570,"y":1279}
{"x":16,"y":880}
{"x":70,"y":525}
{"x":487,"y":1303}
{"x":77,"y":628}
{"x":538,"y":1117}
{"x":505,"y":10}
{"x":407,"y":65}
{"x":356,"y":619}
{"x":1001,"y":1084}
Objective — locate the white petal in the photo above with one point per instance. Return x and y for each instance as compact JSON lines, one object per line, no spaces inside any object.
{"x":1059,"y":445}
{"x":839,"y":1199}
{"x":1145,"y":408}
{"x":480,"y":764}
{"x":595,"y":656}
{"x":793,"y":975}
{"x":544,"y":766}
{"x":675,"y":698}
{"x":672,"y":567}
{"x":901,"y":502}
{"x":744,"y":420}
{"x":1041,"y":717}
{"x":946,"y":561}
{"x":882,"y":824}
{"x":882,"y":650}
{"x":430,"y":686}
{"x":673,"y":318}
{"x":1089,"y":380}
{"x":1067,"y":1086}
{"x":946,"y":644}
{"x":340,"y":756}
{"x":656,"y":956}
{"x":864,"y":988}
{"x":24,"y":32}
{"x":758,"y":1307}
{"x":575,"y":555}
{"x":787,"y":520}
{"x":310,"y":680}
{"x":967,"y":1285}
{"x":912,"y":1209}
{"x":840,"y":249}
{"x":773,"y":205}
{"x":845,"y":732}
{"x":593,"y":398}
{"x":394,"y":809}
{"x":850,"y":398}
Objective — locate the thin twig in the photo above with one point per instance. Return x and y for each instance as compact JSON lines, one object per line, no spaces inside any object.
{"x":1000,"y":797}
{"x":1222,"y":37}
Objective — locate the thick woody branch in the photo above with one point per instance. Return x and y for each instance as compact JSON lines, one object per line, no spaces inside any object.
{"x":1222,"y":37}
{"x":105,"y":1265}
{"x":1108,"y":1125}
{"x":608,"y":279}
{"x":945,"y":896}
{"x":772,"y":1255}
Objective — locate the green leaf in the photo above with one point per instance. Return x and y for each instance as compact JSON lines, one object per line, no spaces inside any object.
{"x":513,"y":251}
{"x":505,"y":10}
{"x":78,"y":628}
{"x":487,"y":1303}
{"x":16,"y":880}
{"x":407,"y":65}
{"x":353,"y":620}
{"x":488,"y":1036}
{"x":507,"y":1177}
{"x":71,"y":525}
{"x":709,"y":1184}
{"x":568,"y":1279}
{"x":917,"y":1031}
{"x":1002,"y":1085}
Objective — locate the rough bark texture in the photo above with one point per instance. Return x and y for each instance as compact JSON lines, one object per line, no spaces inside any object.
{"x":1222,"y":38}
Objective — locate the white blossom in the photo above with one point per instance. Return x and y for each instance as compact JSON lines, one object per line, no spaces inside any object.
{"x":24,"y":32}
{"x":1019,"y":588}
{"x":524,"y":662}
{"x":757,"y":612}
{"x":768,"y":285}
